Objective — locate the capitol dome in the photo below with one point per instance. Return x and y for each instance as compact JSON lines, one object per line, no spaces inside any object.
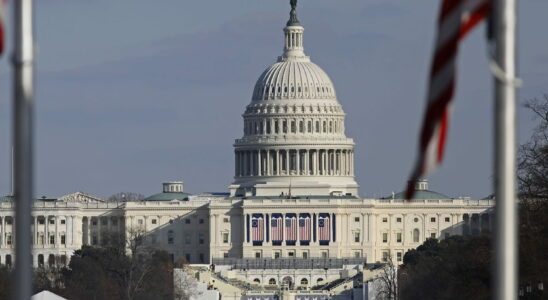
{"x":294,"y":140}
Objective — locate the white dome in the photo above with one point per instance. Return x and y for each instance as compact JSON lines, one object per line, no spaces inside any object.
{"x":293,"y":79}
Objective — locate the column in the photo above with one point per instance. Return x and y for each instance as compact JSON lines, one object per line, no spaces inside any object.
{"x":217,"y":235}
{"x":339,"y":163}
{"x":363,"y":234}
{"x":259,"y":163}
{"x":287,"y":162}
{"x":99,"y":235}
{"x":298,"y":161}
{"x":35,"y":233}
{"x":278,"y":162}
{"x":306,"y":162}
{"x":236,"y":165}
{"x":56,"y":232}
{"x":268,"y":163}
{"x":46,"y":234}
{"x":3,"y":231}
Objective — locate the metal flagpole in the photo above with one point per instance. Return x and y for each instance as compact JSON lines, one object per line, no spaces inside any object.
{"x":504,"y":13}
{"x":23,"y":98}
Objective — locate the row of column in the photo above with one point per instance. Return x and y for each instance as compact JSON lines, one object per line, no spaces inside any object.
{"x":284,"y":126}
{"x":100,"y":229}
{"x":69,"y":231}
{"x":313,"y":162}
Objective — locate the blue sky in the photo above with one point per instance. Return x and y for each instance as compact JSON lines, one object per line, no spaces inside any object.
{"x":131,"y":94}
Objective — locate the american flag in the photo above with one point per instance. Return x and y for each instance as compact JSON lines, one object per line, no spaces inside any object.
{"x":324,"y":224}
{"x":291,"y":227}
{"x":304,"y":227}
{"x":456,"y":19}
{"x":2,"y":25}
{"x":257,"y":228}
{"x":277,"y":228}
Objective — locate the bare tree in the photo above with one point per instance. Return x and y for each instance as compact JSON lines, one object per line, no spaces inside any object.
{"x":386,"y":284}
{"x":185,"y":286}
{"x":126,"y":196}
{"x":533,"y":155}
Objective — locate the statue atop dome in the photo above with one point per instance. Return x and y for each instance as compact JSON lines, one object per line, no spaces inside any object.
{"x":293,"y":21}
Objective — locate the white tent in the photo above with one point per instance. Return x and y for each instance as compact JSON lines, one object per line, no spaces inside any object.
{"x":47,"y":295}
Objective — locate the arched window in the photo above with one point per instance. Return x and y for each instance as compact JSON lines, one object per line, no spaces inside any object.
{"x":257,"y":280}
{"x":319,"y":281}
{"x":304,"y":281}
{"x":40,"y":260}
{"x":272,"y":281}
{"x":416,"y":235}
{"x":51,"y":260}
{"x":170,"y":237}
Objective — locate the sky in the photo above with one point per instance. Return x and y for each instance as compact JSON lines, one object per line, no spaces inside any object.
{"x":130,"y":94}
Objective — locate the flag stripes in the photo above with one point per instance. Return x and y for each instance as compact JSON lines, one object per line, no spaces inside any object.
{"x":323,"y":226}
{"x":277,"y":228}
{"x":291,"y":227}
{"x":457,"y":18}
{"x":257,"y":228}
{"x":3,"y":5}
{"x":304,"y":227}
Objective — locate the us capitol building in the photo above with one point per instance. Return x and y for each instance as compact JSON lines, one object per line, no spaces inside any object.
{"x":294,"y":198}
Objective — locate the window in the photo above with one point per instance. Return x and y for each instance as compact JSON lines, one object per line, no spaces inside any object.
{"x":187,"y":239}
{"x":272,"y":281}
{"x":398,"y":220}
{"x":94,"y":222}
{"x":433,"y":220}
{"x":398,"y":256}
{"x":385,"y":256}
{"x":257,"y":254}
{"x":357,"y":254}
{"x":52,"y":239}
{"x":94,"y":240}
{"x":201,"y":221}
{"x":225,"y":254}
{"x":9,"y":221}
{"x":114,"y":222}
{"x":301,"y":126}
{"x":225,"y":237}
{"x":170,"y":237}
{"x":9,"y":239}
{"x":416,"y":220}
{"x":385,"y":237}
{"x":226,"y":220}
{"x":154,"y":221}
{"x":41,"y":221}
{"x":304,"y":281}
{"x":140,"y":221}
{"x":187,"y":221}
{"x":357,"y":237}
{"x":276,"y":129}
{"x":293,"y":127}
{"x":317,"y":126}
{"x":277,"y":254}
{"x":319,"y":281}
{"x":416,"y":235}
{"x":41,"y":239}
{"x":40,"y":260}
{"x":385,"y":220}
{"x":8,"y":260}
{"x":63,"y":239}
{"x":291,"y":253}
{"x":63,"y":221}
{"x":433,"y":235}
{"x":309,"y":126}
{"x":356,"y":219}
{"x":284,"y":126}
{"x":202,"y":257}
{"x":398,"y":237}
{"x":52,"y":221}
{"x":187,"y":257}
{"x":305,"y":254}
{"x":104,"y":221}
{"x":324,"y":254}
{"x":201,"y":239}
{"x":447,"y":219}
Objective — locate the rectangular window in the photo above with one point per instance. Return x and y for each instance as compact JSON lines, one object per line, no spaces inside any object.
{"x":187,"y":257}
{"x":187,"y":239}
{"x":257,"y":254}
{"x":324,"y":254}
{"x":398,"y":237}
{"x":154,"y":221}
{"x":277,"y":254}
{"x":104,"y":222}
{"x":41,"y":221}
{"x":201,"y":221}
{"x":433,"y":235}
{"x":140,"y":222}
{"x":385,"y":237}
{"x":385,"y":220}
{"x":8,"y":239}
{"x":63,"y":221}
{"x":291,"y":253}
{"x":187,"y":221}
{"x":202,"y":258}
{"x":94,"y":222}
{"x":63,"y":239}
{"x":309,"y":126}
{"x":301,"y":126}
{"x":317,"y":126}
{"x":357,"y":254}
{"x":293,"y":127}
{"x":52,"y":221}
{"x":398,"y":256}
{"x":432,"y":220}
{"x":41,"y":239}
{"x":276,"y":129}
{"x":9,"y":221}
{"x":226,"y":220}
{"x":51,"y":239}
{"x":114,"y":222}
{"x":398,"y":220}
{"x":201,"y":239}
{"x":357,"y":219}
{"x":225,"y":254}
{"x":356,"y":237}
{"x":305,"y":254}
{"x":447,"y":219}
{"x":385,"y":256}
{"x":225,"y":237}
{"x":170,"y":240}
{"x":284,"y":126}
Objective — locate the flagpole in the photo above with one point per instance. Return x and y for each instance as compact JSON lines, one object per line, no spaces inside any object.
{"x":505,"y":150}
{"x":23,"y":109}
